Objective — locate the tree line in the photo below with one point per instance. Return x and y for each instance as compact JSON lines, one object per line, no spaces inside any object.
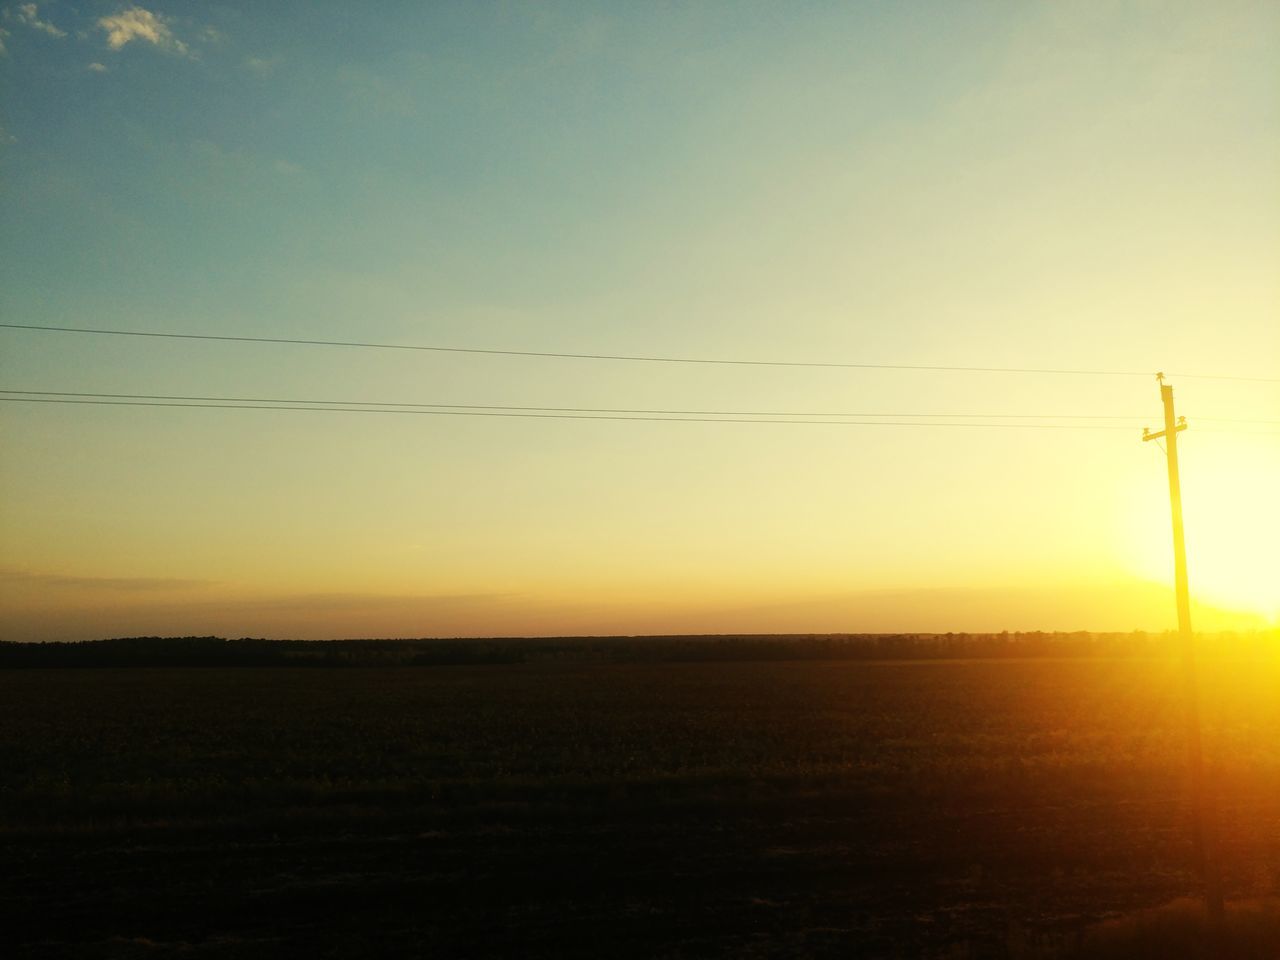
{"x":260,"y":652}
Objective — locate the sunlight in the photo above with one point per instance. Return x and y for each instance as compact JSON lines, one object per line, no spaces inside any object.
{"x":1232,"y":521}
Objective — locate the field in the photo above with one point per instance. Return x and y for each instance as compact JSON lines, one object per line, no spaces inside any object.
{"x":950,"y":808}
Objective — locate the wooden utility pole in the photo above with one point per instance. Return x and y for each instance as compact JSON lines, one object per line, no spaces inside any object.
{"x":1201,"y":808}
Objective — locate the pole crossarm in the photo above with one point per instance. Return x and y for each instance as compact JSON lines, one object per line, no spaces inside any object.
{"x":1148,"y":435}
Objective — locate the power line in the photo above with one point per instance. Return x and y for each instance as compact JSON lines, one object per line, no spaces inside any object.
{"x":1213,"y":376}
{"x":935,"y":368}
{"x":554,"y":416}
{"x":628,"y":410}
{"x":603,"y":410}
{"x":512,"y":413}
{"x":1199,"y":419}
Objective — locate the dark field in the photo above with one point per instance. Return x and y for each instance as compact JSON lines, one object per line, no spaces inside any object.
{"x":867,"y":809}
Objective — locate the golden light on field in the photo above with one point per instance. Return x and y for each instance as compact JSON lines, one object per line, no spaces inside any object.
{"x":1232,"y":517}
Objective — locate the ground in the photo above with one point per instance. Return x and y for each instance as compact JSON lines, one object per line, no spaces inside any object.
{"x":686,"y":809}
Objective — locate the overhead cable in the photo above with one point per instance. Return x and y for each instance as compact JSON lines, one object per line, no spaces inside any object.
{"x":633,"y":358}
{"x":513,"y":413}
{"x":620,"y":410}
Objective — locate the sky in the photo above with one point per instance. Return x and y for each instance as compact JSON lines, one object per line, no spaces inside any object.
{"x":1084,"y":186}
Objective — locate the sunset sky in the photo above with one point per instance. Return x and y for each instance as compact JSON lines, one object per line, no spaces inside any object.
{"x":1085,"y":186}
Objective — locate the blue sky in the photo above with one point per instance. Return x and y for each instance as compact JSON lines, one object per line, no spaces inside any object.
{"x":1085,"y":185}
{"x":544,"y":153}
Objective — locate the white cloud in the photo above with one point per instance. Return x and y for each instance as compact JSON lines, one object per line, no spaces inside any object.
{"x":261,"y":65}
{"x":28,"y":14}
{"x":136,"y":23}
{"x":97,"y":68}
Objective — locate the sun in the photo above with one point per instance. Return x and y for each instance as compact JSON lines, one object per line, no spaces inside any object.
{"x":1231,"y":510}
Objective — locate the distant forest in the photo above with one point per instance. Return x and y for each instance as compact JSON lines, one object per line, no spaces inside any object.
{"x":251,"y":652}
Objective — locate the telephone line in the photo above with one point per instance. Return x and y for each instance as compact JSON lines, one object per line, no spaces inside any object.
{"x":602,"y":410}
{"x":633,"y":358}
{"x":511,"y":413}
{"x":626,"y":410}
{"x":554,"y":416}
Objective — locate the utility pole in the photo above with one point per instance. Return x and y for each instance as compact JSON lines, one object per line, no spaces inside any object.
{"x":1201,"y":809}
